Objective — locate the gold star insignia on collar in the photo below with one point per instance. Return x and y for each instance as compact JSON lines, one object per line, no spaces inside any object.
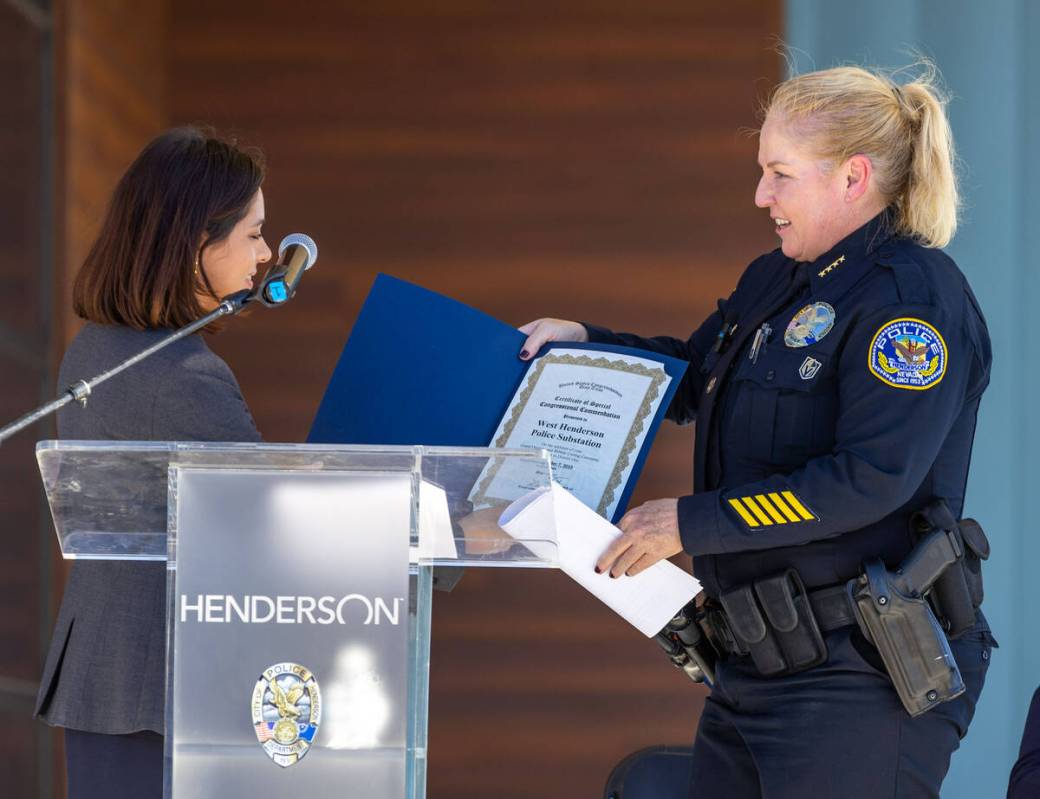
{"x":828,"y":269}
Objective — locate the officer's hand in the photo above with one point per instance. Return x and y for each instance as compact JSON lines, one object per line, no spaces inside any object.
{"x":541,"y":331}
{"x":649,"y":533}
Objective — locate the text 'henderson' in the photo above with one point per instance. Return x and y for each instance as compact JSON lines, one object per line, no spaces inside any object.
{"x":258,"y":609}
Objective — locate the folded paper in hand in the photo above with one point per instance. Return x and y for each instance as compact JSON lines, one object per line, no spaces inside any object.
{"x":648,"y":601}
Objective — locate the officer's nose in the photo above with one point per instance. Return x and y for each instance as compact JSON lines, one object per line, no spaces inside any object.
{"x":763,"y":197}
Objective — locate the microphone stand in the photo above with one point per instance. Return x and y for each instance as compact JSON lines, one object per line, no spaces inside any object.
{"x":80,"y":390}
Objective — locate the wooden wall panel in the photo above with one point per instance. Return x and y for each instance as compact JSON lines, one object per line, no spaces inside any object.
{"x":576,"y":160}
{"x":23,"y":335}
{"x":24,"y":366}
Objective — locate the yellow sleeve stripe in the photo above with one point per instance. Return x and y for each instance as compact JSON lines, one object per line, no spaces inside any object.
{"x":765,"y":503}
{"x":798,"y":506}
{"x":749,"y":520}
{"x":784,"y":507}
{"x":750,"y":502}
{"x":772,"y":508}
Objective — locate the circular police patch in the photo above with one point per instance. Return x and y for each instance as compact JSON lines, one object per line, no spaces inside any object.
{"x":809,"y":325}
{"x":908,"y":353}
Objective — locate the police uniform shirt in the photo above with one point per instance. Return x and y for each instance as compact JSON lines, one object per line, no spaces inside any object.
{"x":832,"y":399}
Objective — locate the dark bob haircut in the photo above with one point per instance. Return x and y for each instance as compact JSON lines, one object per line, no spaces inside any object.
{"x":186,"y":191}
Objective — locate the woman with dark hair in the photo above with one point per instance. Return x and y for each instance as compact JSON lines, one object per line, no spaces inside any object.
{"x":183,"y":230}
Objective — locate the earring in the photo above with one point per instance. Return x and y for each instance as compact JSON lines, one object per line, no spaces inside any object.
{"x":196,"y":264}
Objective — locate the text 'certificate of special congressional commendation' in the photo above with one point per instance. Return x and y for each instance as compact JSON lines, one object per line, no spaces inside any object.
{"x":592,"y":411}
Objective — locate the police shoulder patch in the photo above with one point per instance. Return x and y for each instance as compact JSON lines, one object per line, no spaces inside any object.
{"x":908,"y":353}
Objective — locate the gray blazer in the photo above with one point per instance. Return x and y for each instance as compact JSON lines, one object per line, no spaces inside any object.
{"x":106,"y":668}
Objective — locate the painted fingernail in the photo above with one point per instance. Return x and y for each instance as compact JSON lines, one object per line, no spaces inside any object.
{"x":599,"y":570}
{"x":524,"y":354}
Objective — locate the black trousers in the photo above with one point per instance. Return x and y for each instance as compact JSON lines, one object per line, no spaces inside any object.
{"x":838,"y":730}
{"x":114,"y":766}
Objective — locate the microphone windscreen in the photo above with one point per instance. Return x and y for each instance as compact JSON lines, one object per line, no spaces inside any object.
{"x":303,"y":240}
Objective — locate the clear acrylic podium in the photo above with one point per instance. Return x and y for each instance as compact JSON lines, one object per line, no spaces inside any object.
{"x":299,"y":585}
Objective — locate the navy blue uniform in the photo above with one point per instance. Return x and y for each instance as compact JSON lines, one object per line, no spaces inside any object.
{"x":832,"y":400}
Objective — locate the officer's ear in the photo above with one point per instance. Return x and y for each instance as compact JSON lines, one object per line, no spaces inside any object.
{"x":859,"y":175}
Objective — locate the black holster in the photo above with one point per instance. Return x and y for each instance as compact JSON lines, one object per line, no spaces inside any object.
{"x":894,"y":615}
{"x":957,"y":594}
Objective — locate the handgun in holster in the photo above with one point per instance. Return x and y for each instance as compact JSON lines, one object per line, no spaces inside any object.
{"x":895,"y":615}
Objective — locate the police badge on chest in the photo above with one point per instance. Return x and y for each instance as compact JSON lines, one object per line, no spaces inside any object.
{"x":809,"y":326}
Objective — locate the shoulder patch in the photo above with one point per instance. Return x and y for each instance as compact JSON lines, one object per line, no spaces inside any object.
{"x":908,"y":353}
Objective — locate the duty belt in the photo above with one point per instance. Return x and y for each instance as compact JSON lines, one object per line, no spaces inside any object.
{"x":777,"y":622}
{"x":780,"y":624}
{"x":831,"y":608}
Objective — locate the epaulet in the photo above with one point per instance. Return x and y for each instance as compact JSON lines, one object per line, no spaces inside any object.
{"x":911,"y":279}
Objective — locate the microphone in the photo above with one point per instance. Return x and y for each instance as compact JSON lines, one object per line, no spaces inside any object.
{"x":296,"y":254}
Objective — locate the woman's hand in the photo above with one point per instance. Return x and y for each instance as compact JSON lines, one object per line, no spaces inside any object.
{"x":541,"y":331}
{"x":482,"y":534}
{"x":648,"y":534}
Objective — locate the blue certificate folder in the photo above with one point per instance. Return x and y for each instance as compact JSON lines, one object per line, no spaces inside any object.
{"x":421,"y":368}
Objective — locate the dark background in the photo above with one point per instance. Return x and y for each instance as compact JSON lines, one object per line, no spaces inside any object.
{"x":582,"y":160}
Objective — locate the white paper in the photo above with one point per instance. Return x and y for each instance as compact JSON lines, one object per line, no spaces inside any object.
{"x":436,"y":538}
{"x":647,"y":601}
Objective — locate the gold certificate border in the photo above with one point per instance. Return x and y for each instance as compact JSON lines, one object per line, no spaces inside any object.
{"x":657,"y":376}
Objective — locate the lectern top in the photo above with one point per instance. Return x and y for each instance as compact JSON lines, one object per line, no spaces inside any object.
{"x":110,"y":499}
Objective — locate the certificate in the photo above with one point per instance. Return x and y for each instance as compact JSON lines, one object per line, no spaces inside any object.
{"x":592,"y":409}
{"x":449,"y":375}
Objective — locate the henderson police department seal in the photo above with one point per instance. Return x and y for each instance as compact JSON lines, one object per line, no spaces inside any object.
{"x":908,"y":353}
{"x":286,"y":712}
{"x":809,"y":325}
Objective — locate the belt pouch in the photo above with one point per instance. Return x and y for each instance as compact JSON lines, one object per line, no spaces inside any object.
{"x":976,"y":550}
{"x":951,"y":598}
{"x":789,"y":614}
{"x":749,"y":627}
{"x":957,"y":594}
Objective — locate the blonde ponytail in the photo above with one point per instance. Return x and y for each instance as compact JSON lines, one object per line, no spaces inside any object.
{"x":904,"y":131}
{"x":927,"y":207}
